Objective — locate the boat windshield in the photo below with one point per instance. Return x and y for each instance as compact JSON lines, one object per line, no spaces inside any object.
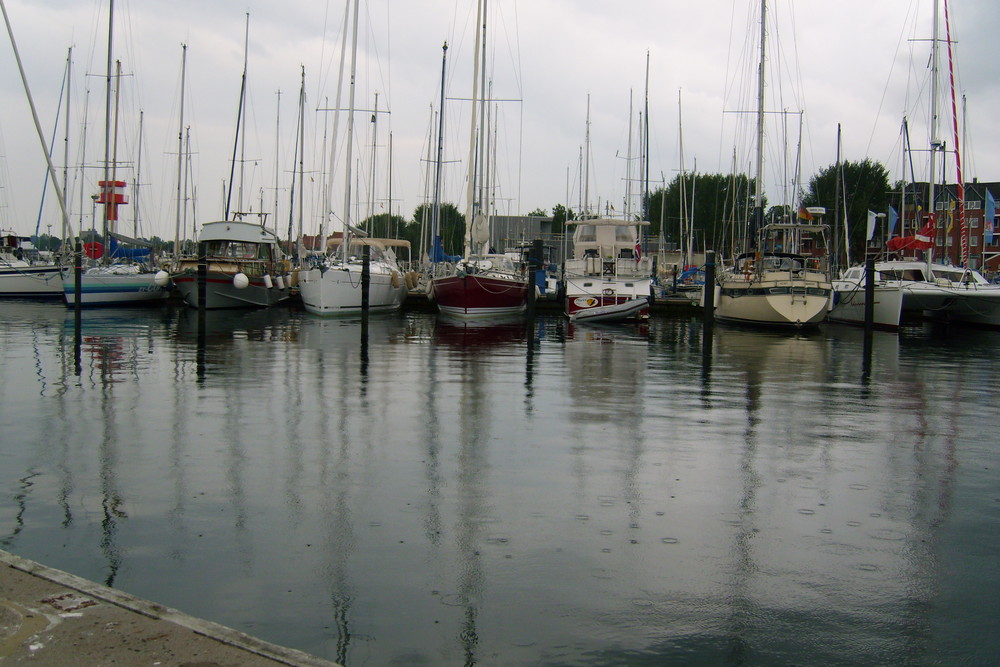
{"x":586,"y":233}
{"x":237,"y":250}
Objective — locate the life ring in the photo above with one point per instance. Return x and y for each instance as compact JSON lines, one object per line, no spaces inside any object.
{"x":395,"y":279}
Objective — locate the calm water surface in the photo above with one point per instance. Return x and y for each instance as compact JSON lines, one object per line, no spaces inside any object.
{"x":439,"y":494}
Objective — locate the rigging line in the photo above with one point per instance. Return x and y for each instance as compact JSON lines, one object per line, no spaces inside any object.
{"x":885,"y":88}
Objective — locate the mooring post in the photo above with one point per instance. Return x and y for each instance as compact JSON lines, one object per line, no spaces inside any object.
{"x":869,"y":294}
{"x":202,"y":277}
{"x":534,"y":263}
{"x":708,"y":290}
{"x":366,"y":276}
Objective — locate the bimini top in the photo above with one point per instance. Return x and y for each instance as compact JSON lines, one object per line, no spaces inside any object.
{"x":236,"y":230}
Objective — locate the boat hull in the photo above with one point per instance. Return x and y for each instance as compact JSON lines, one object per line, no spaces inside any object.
{"x":222,"y":293}
{"x":36,"y":282}
{"x":778,"y":299}
{"x":107,"y":289}
{"x":596,"y":299}
{"x":849,"y":304}
{"x":335,"y":291}
{"x":478,"y":295}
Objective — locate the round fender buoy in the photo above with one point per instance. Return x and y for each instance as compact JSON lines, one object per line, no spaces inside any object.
{"x":240,"y":281}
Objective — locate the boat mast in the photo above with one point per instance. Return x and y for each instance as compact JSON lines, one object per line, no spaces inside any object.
{"x":180,"y":155}
{"x":959,"y":183}
{"x":38,"y":125}
{"x":935,"y":141}
{"x":239,"y":121}
{"x":302,"y":152}
{"x":470,"y":182}
{"x":586,"y":165}
{"x":350,"y":133}
{"x":108,"y":189}
{"x":436,"y":205}
{"x":758,"y":198}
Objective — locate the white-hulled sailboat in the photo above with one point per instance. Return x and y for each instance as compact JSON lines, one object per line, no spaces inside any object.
{"x":333,"y":283}
{"x":780,"y":278}
{"x":118,"y":276}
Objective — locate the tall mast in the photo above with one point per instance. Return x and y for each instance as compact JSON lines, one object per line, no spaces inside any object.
{"x":108,"y":188}
{"x":69,"y":79}
{"x":180,"y":155}
{"x":759,"y":165}
{"x":470,"y":183}
{"x":436,"y":206}
{"x":959,"y":181}
{"x":586,"y":164}
{"x":239,"y":123}
{"x":935,"y":141}
{"x":350,"y":132}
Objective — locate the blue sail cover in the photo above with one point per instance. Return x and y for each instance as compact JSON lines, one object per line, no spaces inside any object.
{"x":437,"y":252}
{"x":117,"y":250}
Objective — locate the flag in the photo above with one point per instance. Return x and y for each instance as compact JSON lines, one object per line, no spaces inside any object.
{"x":991,"y":214}
{"x":951,"y":217}
{"x":871,"y":225}
{"x":804,"y":214}
{"x":638,"y":247}
{"x":893,"y":219}
{"x":922,"y":240}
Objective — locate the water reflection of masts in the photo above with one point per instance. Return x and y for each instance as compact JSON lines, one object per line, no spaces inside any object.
{"x":337,"y":481}
{"x":432,"y":469}
{"x":474,"y":430}
{"x":111,"y":499}
{"x":742,"y":607}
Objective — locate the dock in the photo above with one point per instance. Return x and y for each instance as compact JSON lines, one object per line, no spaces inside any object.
{"x":51,"y":617}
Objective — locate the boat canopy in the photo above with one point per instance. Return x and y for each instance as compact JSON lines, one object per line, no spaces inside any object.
{"x":236,"y":230}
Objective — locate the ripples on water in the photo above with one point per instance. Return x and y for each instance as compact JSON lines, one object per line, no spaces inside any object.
{"x":443,"y":494}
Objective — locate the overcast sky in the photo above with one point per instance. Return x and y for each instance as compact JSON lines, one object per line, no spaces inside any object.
{"x":857,"y":63}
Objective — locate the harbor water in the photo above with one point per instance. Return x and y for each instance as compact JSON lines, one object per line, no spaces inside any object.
{"x":416,"y":491}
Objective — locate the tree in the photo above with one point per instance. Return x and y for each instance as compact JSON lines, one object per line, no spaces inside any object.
{"x":538,"y":213}
{"x":718,"y":204}
{"x":560,"y":214}
{"x":865,"y":188}
{"x":451,"y":227}
{"x":384,"y":225}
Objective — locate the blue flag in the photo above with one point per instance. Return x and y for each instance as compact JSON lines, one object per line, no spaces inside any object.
{"x":991,"y":214}
{"x":893,"y":219}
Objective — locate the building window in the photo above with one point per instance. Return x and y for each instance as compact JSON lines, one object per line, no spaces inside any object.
{"x":973,"y":241}
{"x":974,"y":223}
{"x":973,"y":205}
{"x":951,"y":241}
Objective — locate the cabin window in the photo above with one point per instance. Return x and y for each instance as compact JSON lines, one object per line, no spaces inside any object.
{"x":624,"y":233}
{"x":586,"y":233}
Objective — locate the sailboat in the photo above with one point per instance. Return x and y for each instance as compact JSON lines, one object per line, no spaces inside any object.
{"x":353,"y":271}
{"x":780,"y":277}
{"x":118,"y":275}
{"x":24,"y":271}
{"x":481,"y":284}
{"x":935,"y":290}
